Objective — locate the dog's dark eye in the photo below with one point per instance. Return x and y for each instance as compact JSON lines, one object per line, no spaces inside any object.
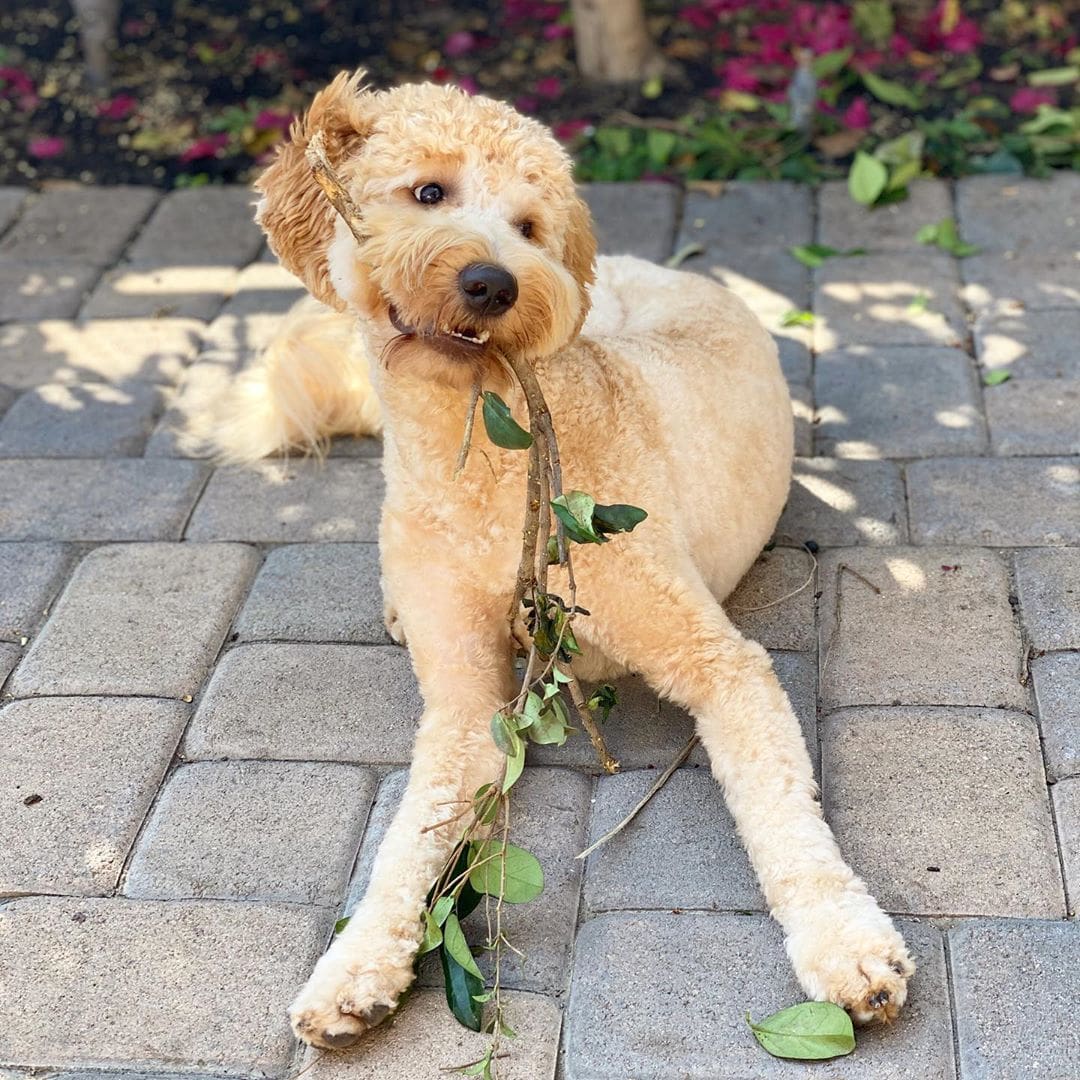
{"x":526,"y":229}
{"x":429,"y":193}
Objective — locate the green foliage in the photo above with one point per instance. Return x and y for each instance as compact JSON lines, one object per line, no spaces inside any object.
{"x":588,"y":522}
{"x":867,"y":180}
{"x":797,"y":318}
{"x":996,"y":377}
{"x":946,"y":236}
{"x":812,"y":1031}
{"x":874,"y":20}
{"x":814,"y":255}
{"x":503,"y":869}
{"x":502,"y":429}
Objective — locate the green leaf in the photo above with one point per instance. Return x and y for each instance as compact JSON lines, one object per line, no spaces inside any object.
{"x":575,"y":511}
{"x":867,"y":179}
{"x":797,"y":318}
{"x":515,"y":762}
{"x":443,"y":906}
{"x":433,"y":936}
{"x":503,"y":732}
{"x":927,"y":234}
{"x":503,"y":430}
{"x":341,"y":924}
{"x":1061,"y":76}
{"x":652,"y":88}
{"x":919,"y":302}
{"x":812,"y":1031}
{"x":829,"y":64}
{"x":996,"y":377}
{"x":946,"y":236}
{"x":660,"y":145}
{"x":455,"y":944}
{"x":552,"y":724}
{"x":618,"y":517}
{"x":874,"y":21}
{"x":524,"y":878}
{"x":460,"y":985}
{"x":814,"y":255}
{"x":604,"y":699}
{"x":890,"y":92}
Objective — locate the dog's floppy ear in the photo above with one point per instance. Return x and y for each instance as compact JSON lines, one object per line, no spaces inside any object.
{"x":294,"y":213}
{"x":579,"y":251}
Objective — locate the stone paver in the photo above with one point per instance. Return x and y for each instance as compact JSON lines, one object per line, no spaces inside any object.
{"x":749,"y":216}
{"x":9,"y":657}
{"x":78,"y":775}
{"x":1034,"y":416}
{"x":424,"y":1042}
{"x":178,"y":985}
{"x":138,"y":619}
{"x":11,"y":202}
{"x":753,"y":608}
{"x":44,"y":290}
{"x":157,"y":290}
{"x":1049,"y":587}
{"x":895,"y":299}
{"x":636,"y":975}
{"x":1030,"y":502}
{"x":1037,"y":282}
{"x":1004,"y":213}
{"x":1014,"y":986}
{"x":309,"y":702}
{"x":1057,"y":689}
{"x":253,"y":830}
{"x":91,"y":225}
{"x":97,"y":499}
{"x":211,"y":226}
{"x":1066,"y":796}
{"x":633,"y":222}
{"x":105,"y":350}
{"x":843,"y":224}
{"x":930,"y":780}
{"x":316,"y":592}
{"x":200,"y":389}
{"x":898,"y":402}
{"x":1031,"y":344}
{"x":249,"y":320}
{"x":845,"y":502}
{"x":30,"y":576}
{"x":940,"y":630}
{"x":288,"y":501}
{"x":80,"y":420}
{"x":770,"y":282}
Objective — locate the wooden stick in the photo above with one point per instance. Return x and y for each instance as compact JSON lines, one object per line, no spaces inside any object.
{"x":332,"y":187}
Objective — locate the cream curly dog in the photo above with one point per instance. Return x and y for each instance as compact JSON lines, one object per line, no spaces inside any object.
{"x":666,"y":393}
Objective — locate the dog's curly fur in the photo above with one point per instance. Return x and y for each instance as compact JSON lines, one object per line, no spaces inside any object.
{"x":666,"y":393}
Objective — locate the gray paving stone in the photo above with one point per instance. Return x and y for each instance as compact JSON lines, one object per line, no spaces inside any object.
{"x":102,"y":350}
{"x":770,"y":282}
{"x":1004,"y":502}
{"x":802,"y":405}
{"x":44,"y":290}
{"x":422,"y":1041}
{"x":1030,"y":344}
{"x":209,"y":226}
{"x":362,"y":446}
{"x":1034,"y":416}
{"x":138,"y":619}
{"x":161,"y":290}
{"x":201,"y":388}
{"x":79,"y":775}
{"x":898,"y":402}
{"x":316,"y":592}
{"x":1014,"y":985}
{"x":1066,"y":795}
{"x":7,"y":398}
{"x":181,"y":984}
{"x":253,"y":830}
{"x":637,"y":975}
{"x":9,"y":657}
{"x":995,"y":283}
{"x":30,"y":576}
{"x":550,"y":810}
{"x":786,"y":625}
{"x":845,"y":502}
{"x":1057,"y":690}
{"x":279,"y":502}
{"x":250,"y":319}
{"x":82,"y":224}
{"x":872,"y":301}
{"x":795,"y":360}
{"x":11,"y":201}
{"x":68,"y":420}
{"x":843,"y":224}
{"x":309,"y":702}
{"x":633,"y":219}
{"x":97,"y":500}
{"x":972,"y":832}
{"x":1049,"y":587}
{"x":1005,"y":213}
{"x":686,"y":825}
{"x":940,"y":632}
{"x":749,"y":215}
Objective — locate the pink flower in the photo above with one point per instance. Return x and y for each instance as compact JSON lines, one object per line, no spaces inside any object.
{"x":557,"y":30}
{"x":48,"y":146}
{"x":15,"y":81}
{"x":696,"y":17}
{"x":117,"y":108}
{"x":1028,"y":99}
{"x":965,"y":37}
{"x":527,"y":103}
{"x":269,"y":120}
{"x":774,"y":39}
{"x":468,"y":84}
{"x":549,"y":87}
{"x":459,"y":43}
{"x":206,"y":147}
{"x":569,"y":130}
{"x":737,"y":74}
{"x":857,"y":115}
{"x":899,"y":46}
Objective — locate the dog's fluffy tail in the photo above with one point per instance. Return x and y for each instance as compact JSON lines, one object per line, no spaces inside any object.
{"x":309,"y":384}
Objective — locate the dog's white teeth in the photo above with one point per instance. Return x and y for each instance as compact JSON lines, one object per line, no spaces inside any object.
{"x":483,"y":336}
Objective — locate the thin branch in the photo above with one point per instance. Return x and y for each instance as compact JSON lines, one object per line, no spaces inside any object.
{"x":577,"y":696}
{"x":332,"y":187}
{"x":794,"y":592}
{"x":470,"y":418}
{"x":841,"y":569}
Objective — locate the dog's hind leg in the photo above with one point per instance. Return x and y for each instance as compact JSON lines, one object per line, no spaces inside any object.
{"x":843,"y":947}
{"x":461,"y":650}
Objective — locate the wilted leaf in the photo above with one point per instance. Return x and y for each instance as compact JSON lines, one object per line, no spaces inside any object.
{"x":867,"y":179}
{"x":523,"y":880}
{"x":812,"y":1031}
{"x":996,"y":377}
{"x":503,"y":430}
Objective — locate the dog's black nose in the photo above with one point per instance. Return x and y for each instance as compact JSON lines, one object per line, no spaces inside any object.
{"x":488,"y":289}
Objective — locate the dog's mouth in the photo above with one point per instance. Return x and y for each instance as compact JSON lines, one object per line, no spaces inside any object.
{"x":452,"y":339}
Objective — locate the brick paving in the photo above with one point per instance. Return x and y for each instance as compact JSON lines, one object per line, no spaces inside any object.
{"x":198,"y":690}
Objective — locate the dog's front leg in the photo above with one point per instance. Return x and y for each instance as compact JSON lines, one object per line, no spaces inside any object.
{"x":465,"y":675}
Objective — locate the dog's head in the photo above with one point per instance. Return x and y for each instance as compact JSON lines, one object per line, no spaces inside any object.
{"x":476,"y":238}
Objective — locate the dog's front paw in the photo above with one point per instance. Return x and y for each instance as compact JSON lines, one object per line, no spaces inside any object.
{"x":336,"y":1006}
{"x":392,"y":622}
{"x":848,"y":952}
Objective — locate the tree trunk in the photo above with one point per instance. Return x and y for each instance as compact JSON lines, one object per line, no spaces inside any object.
{"x":613,"y":42}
